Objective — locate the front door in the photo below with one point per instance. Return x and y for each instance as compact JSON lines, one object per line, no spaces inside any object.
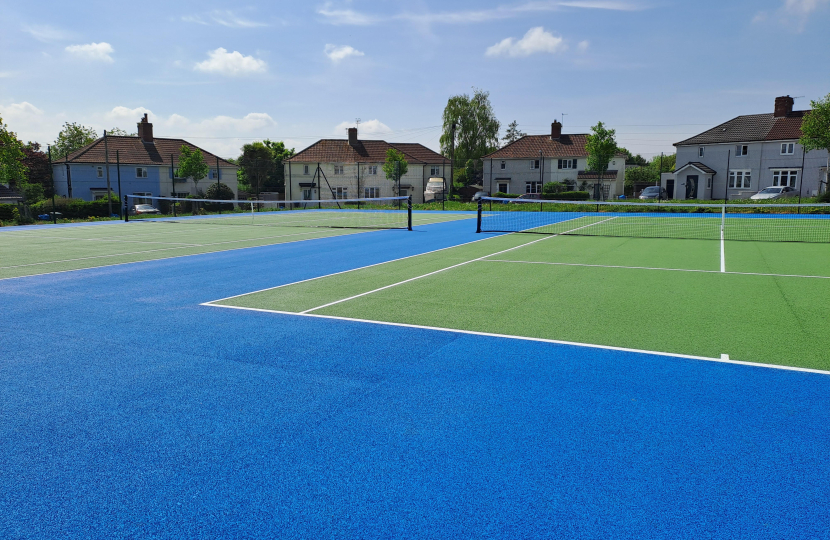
{"x":670,"y":189}
{"x":691,"y":187}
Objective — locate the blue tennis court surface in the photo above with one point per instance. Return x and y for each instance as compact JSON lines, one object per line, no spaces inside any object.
{"x":131,"y":411}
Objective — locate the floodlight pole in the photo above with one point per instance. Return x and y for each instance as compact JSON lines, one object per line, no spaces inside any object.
{"x":107,"y":161}
{"x":52,"y":177}
{"x":801,"y":180}
{"x":218,"y":184}
{"x":118,"y":175}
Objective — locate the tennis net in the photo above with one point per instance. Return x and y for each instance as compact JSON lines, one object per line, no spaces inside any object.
{"x":755,"y":222}
{"x":378,"y":213}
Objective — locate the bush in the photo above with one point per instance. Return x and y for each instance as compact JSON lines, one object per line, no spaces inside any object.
{"x":221,"y":192}
{"x":502,"y":195}
{"x":552,"y":188}
{"x":567,"y":196}
{"x":8,"y":212}
{"x":824,"y":197}
{"x":77,"y":208}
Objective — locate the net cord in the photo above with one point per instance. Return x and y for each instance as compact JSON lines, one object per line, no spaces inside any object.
{"x":253,"y":202}
{"x":655,"y":204}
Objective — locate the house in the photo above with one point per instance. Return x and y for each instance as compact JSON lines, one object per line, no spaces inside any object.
{"x":745,"y":155}
{"x":147,"y":166}
{"x":525,"y":165}
{"x":353,"y":168}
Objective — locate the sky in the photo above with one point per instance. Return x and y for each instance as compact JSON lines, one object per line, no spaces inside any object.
{"x":221,"y":74}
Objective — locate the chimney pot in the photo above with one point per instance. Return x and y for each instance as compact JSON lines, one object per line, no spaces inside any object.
{"x":783,"y":106}
{"x":352,"y":136}
{"x":556,"y":130}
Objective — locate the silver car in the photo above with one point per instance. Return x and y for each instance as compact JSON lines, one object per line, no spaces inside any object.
{"x":774,"y":192}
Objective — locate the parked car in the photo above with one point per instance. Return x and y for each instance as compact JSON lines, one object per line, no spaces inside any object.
{"x":654,"y":192}
{"x":434,"y":191}
{"x":528,"y":196}
{"x":47,"y":217}
{"x":774,"y":192}
{"x":479,"y":194}
{"x":145,"y":209}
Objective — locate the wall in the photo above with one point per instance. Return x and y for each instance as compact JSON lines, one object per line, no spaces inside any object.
{"x":518,"y":173}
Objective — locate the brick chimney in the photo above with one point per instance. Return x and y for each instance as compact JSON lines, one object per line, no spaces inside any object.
{"x":555,"y":130}
{"x":145,"y":130}
{"x":783,"y":106}
{"x":352,"y":137}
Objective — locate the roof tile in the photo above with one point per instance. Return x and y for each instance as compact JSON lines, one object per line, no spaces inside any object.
{"x":340,"y":151}
{"x":133,"y":151}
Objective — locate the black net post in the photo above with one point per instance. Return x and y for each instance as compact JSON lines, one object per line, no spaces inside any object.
{"x":126,"y":210}
{"x":409,"y":212}
{"x":478,"y":220}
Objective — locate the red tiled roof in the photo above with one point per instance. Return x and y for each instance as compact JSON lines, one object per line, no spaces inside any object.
{"x":133,"y":151}
{"x":340,"y":151}
{"x":588,"y":175}
{"x":529,"y":147}
{"x":752,"y":128}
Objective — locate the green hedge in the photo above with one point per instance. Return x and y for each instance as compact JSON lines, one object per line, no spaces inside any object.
{"x":567,"y":196}
{"x":502,"y":195}
{"x":8,"y":212}
{"x":77,"y":208}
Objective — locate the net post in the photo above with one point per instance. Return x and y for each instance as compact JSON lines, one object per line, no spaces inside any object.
{"x":409,"y":212}
{"x":126,"y":210}
{"x":722,"y":220}
{"x":478,"y":219}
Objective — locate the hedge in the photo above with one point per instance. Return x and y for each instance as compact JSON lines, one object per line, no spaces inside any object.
{"x":8,"y":212}
{"x":77,"y":208}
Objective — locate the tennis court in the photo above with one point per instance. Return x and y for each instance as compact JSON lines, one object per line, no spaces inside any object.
{"x":433,"y":383}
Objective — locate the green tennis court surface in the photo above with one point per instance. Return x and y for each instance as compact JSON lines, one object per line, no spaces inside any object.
{"x":32,"y":250}
{"x":665,"y":295}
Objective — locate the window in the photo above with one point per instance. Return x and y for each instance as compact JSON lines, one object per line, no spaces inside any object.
{"x":504,"y":187}
{"x":709,"y":182}
{"x":214,"y":174}
{"x":141,"y":172}
{"x":99,"y":171}
{"x":305,"y":169}
{"x":307,"y":191}
{"x":434,"y":171}
{"x":533,"y":187}
{"x":740,"y":179}
{"x":534,"y":163}
{"x":404,"y":193}
{"x":741,"y":150}
{"x":784,"y":178}
{"x":503,"y":165}
{"x":143,"y":194}
{"x":371,"y":192}
{"x":97,"y":195}
{"x":338,"y":169}
{"x":180,"y":195}
{"x":567,"y":164}
{"x":341,"y":193}
{"x":700,"y":152}
{"x":372,"y":169}
{"x":787,"y":149}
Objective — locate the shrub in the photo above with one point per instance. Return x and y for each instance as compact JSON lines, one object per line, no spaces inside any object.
{"x":77,"y":208}
{"x":824,"y":197}
{"x":567,"y":196}
{"x":552,"y":188}
{"x":503,"y":195}
{"x":221,"y":192}
{"x":8,"y":212}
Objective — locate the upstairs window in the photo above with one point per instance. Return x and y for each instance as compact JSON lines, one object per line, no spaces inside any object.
{"x":740,"y":179}
{"x":338,"y":169}
{"x":305,"y":169}
{"x":372,"y":169}
{"x":700,"y":152}
{"x":787,"y":149}
{"x":567,"y":164}
{"x":99,"y":171}
{"x":435,"y":171}
{"x":214,"y":174}
{"x":503,"y":165}
{"x":141,"y":172}
{"x":534,"y":164}
{"x":741,"y":150}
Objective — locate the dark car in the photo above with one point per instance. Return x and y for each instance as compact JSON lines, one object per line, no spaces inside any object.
{"x":654,"y":192}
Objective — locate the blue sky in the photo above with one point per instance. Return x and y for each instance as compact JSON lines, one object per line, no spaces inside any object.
{"x":224,"y":73}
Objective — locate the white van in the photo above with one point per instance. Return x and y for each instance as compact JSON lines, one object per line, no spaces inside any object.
{"x":435,"y":191}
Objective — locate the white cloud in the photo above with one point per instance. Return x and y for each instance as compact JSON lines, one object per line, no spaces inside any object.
{"x":98,"y":52}
{"x":804,"y":7}
{"x":368,"y":129}
{"x":222,"y":135}
{"x":223,"y":18}
{"x":356,"y":18}
{"x":583,"y":45}
{"x":125,"y":118}
{"x":46,"y":33}
{"x":536,"y":40}
{"x":231,"y":63}
{"x":31,"y":123}
{"x":337,"y":53}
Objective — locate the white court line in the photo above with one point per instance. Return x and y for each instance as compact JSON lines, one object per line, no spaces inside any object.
{"x":723,"y":359}
{"x":157,"y":250}
{"x":445,"y":269}
{"x":654,"y":268}
{"x":113,"y":239}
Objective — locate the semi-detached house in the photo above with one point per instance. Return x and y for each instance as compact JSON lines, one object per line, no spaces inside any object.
{"x":747,"y":154}
{"x":352,"y":168}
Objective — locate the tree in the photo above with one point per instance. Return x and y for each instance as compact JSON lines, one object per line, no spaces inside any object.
{"x":513,"y":133}
{"x":669,"y":163}
{"x":601,"y":147}
{"x":72,"y":137}
{"x":12,"y":169}
{"x":279,"y":153}
{"x":477,"y":130}
{"x":220,"y":192}
{"x":192,"y":165}
{"x":395,"y":166}
{"x":256,"y":163}
{"x":37,"y":167}
{"x":815,"y":130}
{"x":631,"y":159}
{"x":118,"y":132}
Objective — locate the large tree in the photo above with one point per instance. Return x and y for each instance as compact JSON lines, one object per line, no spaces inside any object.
{"x":37,"y":167}
{"x":513,"y":133}
{"x":256,"y":164}
{"x":476,"y":126}
{"x":12,"y":169}
{"x":72,"y":137}
{"x":192,"y":165}
{"x":815,"y":131}
{"x":395,"y":167}
{"x":601,"y":147}
{"x":279,"y":153}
